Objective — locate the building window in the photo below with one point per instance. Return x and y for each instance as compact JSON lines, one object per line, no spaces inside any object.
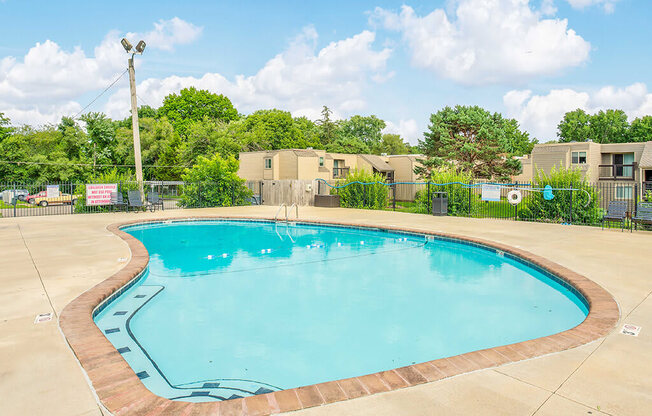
{"x":624,"y":192}
{"x":623,"y":164}
{"x":578,"y":158}
{"x":268,"y":163}
{"x":321,"y":161}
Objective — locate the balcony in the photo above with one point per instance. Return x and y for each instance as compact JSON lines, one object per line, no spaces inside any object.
{"x":617,"y":172}
{"x":340,"y":173}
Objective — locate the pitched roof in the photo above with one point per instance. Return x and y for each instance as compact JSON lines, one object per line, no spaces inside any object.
{"x":305,"y":152}
{"x":378,"y":163}
{"x":646,"y":157}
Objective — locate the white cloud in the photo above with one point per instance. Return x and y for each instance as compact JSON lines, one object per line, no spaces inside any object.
{"x":45,"y":83}
{"x":540,"y":114}
{"x":607,"y":5}
{"x":168,"y":33}
{"x":407,"y":129}
{"x":485,"y":42}
{"x":300,"y":79}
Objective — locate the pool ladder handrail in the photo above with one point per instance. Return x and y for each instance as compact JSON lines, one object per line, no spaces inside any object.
{"x":296,"y":212}
{"x":286,"y":211}
{"x":279,"y":211}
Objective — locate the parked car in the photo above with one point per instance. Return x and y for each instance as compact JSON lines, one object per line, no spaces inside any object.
{"x":30,"y":198}
{"x":21,"y":194}
{"x":42,"y":199}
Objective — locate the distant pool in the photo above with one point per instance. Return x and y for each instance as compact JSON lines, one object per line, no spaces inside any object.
{"x":229,"y":309}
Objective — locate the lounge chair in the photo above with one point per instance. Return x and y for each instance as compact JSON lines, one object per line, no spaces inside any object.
{"x":154,"y":200}
{"x":643,"y":214}
{"x":134,"y":200}
{"x":117,"y":200}
{"x":616,"y":212}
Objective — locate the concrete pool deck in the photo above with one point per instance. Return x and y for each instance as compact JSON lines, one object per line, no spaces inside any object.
{"x":48,"y":261}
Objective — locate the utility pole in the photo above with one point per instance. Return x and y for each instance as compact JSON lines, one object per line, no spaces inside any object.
{"x":134,"y":127}
{"x":140,"y":47}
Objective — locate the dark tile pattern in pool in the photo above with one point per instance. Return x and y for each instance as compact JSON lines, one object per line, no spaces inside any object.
{"x":121,"y":391}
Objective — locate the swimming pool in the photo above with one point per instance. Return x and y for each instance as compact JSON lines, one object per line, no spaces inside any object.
{"x":230,"y":309}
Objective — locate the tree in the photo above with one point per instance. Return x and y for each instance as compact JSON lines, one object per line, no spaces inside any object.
{"x":574,"y":127}
{"x":226,"y":188}
{"x":5,"y":129}
{"x":101,"y":138}
{"x":641,"y":129}
{"x":347,"y":144}
{"x":393,"y":144}
{"x":196,"y":105}
{"x":155,"y":136}
{"x":470,"y":139}
{"x":309,"y":132}
{"x":515,"y":142}
{"x":206,"y":138}
{"x":274,"y":129}
{"x":46,"y":154}
{"x":366,"y":129}
{"x":328,"y":128}
{"x":609,"y":126}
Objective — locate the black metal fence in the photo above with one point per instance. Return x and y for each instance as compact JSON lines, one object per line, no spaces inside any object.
{"x":30,"y":199}
{"x":583,"y":203}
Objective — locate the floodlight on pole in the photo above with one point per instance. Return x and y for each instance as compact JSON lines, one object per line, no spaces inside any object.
{"x":126,"y":44}
{"x":140,"y":47}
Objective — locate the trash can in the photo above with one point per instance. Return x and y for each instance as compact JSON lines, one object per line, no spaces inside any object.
{"x":440,"y":203}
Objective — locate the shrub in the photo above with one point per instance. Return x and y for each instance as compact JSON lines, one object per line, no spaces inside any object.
{"x":356,"y":195}
{"x":648,"y":196}
{"x":214,"y":183}
{"x":558,"y":209}
{"x":458,"y":195}
{"x":125,"y":181}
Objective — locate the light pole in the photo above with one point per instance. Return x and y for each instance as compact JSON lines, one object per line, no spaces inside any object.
{"x":140,"y":47}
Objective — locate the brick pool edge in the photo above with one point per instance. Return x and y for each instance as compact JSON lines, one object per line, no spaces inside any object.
{"x":122,"y":392}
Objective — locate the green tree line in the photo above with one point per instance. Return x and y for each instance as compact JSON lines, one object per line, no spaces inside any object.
{"x":610,"y":126}
{"x":188,"y":125}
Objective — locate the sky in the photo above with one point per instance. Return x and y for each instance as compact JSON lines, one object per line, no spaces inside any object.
{"x":401,"y":61}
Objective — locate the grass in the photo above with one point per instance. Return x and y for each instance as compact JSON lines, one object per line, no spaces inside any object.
{"x":480,"y":209}
{"x":3,"y":205}
{"x":493,"y":209}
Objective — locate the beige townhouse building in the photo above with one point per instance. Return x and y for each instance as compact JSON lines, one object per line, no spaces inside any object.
{"x":626,"y":164}
{"x":309,"y":164}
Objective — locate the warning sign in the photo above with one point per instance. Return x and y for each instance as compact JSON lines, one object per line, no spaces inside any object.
{"x":629,"y":329}
{"x":100,"y":194}
{"x":52,"y":191}
{"x":43,"y":317}
{"x":490,"y":192}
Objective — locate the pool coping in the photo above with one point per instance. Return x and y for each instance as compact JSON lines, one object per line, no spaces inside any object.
{"x":122,"y":392}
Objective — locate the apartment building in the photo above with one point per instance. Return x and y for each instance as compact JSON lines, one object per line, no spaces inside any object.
{"x":610,"y":162}
{"x":309,"y":164}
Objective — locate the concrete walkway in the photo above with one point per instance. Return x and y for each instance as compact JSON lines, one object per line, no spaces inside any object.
{"x":45,"y":262}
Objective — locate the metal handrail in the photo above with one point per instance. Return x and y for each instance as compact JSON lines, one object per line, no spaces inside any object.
{"x":296,"y":211}
{"x":279,"y":211}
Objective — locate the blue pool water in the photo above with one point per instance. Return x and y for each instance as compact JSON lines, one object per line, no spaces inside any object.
{"x":235,"y":308}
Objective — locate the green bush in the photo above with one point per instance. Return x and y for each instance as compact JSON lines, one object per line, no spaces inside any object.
{"x":356,"y":195}
{"x":126,"y":182}
{"x":214,"y":183}
{"x":559,"y":208}
{"x":458,"y":195}
{"x":648,"y":196}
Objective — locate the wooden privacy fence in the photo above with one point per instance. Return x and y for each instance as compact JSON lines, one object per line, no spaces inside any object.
{"x":287,"y":191}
